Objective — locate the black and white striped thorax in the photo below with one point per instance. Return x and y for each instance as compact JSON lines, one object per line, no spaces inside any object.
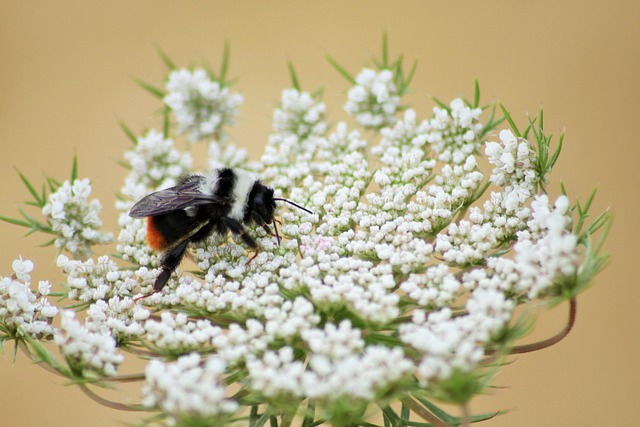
{"x":236,"y":189}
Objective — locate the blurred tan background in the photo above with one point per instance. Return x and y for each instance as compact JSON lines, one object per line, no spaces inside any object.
{"x":65,"y":81}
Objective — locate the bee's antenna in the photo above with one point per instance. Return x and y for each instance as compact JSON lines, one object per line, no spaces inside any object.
{"x":294,"y":204}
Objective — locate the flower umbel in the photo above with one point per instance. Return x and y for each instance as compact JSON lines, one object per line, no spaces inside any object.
{"x":74,"y":218}
{"x":23,"y":311}
{"x":87,"y":352}
{"x":201,"y":106}
{"x":401,"y":286}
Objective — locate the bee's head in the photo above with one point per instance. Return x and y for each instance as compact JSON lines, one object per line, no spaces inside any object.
{"x":261,"y":205}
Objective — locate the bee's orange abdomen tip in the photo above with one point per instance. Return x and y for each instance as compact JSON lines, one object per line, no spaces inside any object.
{"x":154,"y":237}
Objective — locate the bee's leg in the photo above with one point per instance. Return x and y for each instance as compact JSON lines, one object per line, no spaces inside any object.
{"x":204,"y":232}
{"x":258,"y":219}
{"x":266,"y":228}
{"x":170,"y":261}
{"x":168,"y":264}
{"x":237,"y":229}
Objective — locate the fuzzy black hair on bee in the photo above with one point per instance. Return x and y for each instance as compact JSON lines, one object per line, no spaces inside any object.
{"x":222,"y":201}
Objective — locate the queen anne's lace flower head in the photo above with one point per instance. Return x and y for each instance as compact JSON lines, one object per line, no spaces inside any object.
{"x":189,"y":388}
{"x":374,"y":100}
{"x":201,"y":106}
{"x":74,"y":218}
{"x":85,"y":351}
{"x":23,"y":311}
{"x":299,"y":114}
{"x":403,"y":270}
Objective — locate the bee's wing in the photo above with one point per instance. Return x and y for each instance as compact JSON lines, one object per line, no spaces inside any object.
{"x":172,"y":199}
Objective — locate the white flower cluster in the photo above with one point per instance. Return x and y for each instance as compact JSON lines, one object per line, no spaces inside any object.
{"x":85,"y":351}
{"x":413,"y":202}
{"x":545,"y":253}
{"x":299,"y":114}
{"x":74,"y":219}
{"x":448,"y":342}
{"x":364,"y":253}
{"x":23,"y":312}
{"x":374,"y":100}
{"x":188,"y":389}
{"x":514,"y":161}
{"x":90,"y":281}
{"x":504,"y":214}
{"x":154,"y":163}
{"x":394,"y":234}
{"x":121,"y":317}
{"x":399,"y":273}
{"x":201,"y":106}
{"x":301,"y":127}
{"x":328,"y":378}
{"x":178,"y":334}
{"x":454,"y":133}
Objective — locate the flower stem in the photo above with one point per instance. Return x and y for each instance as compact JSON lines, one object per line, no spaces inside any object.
{"x":423,"y":413}
{"x":527,"y":348}
{"x":108,"y":403}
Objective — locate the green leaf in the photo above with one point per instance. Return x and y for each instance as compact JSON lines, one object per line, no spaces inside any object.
{"x":15,"y":221}
{"x":253,"y":414}
{"x":158,"y":93}
{"x":53,"y":183}
{"x":529,"y":127}
{"x":262,"y":420}
{"x":44,"y":356}
{"x":391,"y":416}
{"x":124,"y":164}
{"x":556,"y":153}
{"x":165,"y":58}
{"x":224,"y":67}
{"x":309,"y":415}
{"x":132,"y":136}
{"x":603,"y":219}
{"x":340,"y":70}
{"x":294,"y":78}
{"x":32,"y":190}
{"x":166,"y":128}
{"x":48,"y":243}
{"x":607,"y":223}
{"x":74,"y":169}
{"x":405,"y":412}
{"x":583,"y":212}
{"x":476,"y":94}
{"x":385,"y":50}
{"x":412,"y":71}
{"x":512,"y":124}
{"x":441,"y":104}
{"x":212,"y":74}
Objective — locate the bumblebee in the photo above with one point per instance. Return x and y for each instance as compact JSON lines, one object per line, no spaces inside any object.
{"x":223,"y":201}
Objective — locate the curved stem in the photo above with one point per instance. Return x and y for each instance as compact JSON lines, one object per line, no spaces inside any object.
{"x":540,"y":345}
{"x":140,"y":352}
{"x":23,"y":346}
{"x":109,"y":403}
{"x":129,"y":378}
{"x":527,"y":348}
{"x":423,"y":413}
{"x":466,"y":415}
